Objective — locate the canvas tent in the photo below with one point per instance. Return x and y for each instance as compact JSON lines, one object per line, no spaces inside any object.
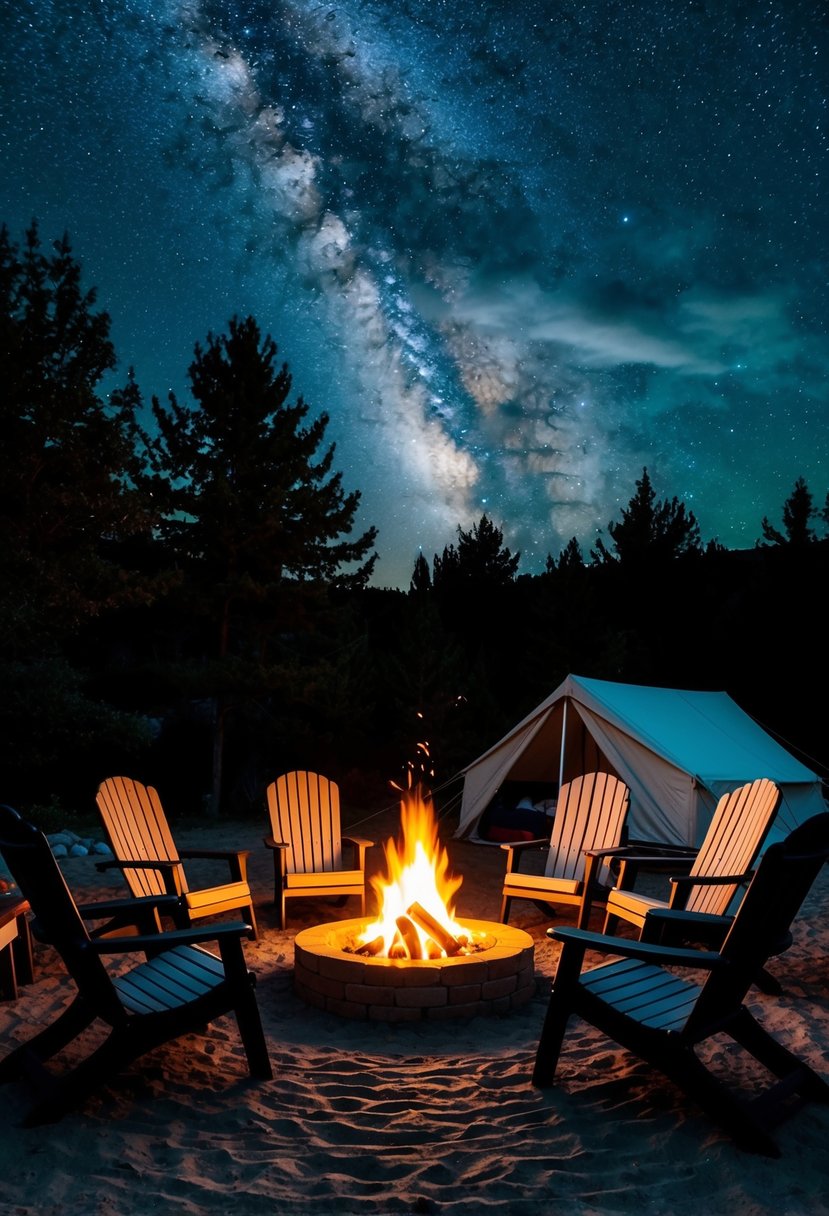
{"x":678,"y":752}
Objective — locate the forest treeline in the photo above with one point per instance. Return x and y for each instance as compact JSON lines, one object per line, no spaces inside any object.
{"x":185,"y":598}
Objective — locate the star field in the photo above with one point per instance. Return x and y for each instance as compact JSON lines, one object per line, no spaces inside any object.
{"x":515,"y":251}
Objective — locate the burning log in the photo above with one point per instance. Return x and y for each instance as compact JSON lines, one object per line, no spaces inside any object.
{"x":397,"y":949}
{"x":375,"y":946}
{"x":410,"y":937}
{"x":434,"y":928}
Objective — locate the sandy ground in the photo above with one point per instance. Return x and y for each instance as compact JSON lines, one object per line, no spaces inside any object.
{"x":433,"y":1117}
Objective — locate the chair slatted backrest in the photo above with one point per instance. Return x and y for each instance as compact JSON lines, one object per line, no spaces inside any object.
{"x":774,"y":897}
{"x":590,"y":814}
{"x":57,"y":921}
{"x":136,"y":827}
{"x":305,"y":814}
{"x":734,"y":838}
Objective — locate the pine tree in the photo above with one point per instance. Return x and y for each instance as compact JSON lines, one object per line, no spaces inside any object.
{"x":483,"y":557}
{"x":445,"y":569}
{"x":68,"y":456}
{"x":68,"y":503}
{"x":480,"y":560}
{"x":421,"y":581}
{"x":253,"y":512}
{"x":798,"y":513}
{"x":650,"y":530}
{"x":571,"y":557}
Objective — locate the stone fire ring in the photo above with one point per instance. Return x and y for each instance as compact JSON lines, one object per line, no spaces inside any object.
{"x":493,"y":981}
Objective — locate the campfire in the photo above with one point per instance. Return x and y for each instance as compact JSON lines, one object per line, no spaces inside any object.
{"x":415,"y":960}
{"x":416,"y":896}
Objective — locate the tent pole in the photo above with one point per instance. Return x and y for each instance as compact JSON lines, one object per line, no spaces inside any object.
{"x":561,"y":754}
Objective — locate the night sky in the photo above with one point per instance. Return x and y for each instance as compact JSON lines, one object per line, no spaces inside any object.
{"x":517,"y":250}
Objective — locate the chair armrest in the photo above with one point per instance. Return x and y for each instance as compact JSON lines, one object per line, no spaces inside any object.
{"x":643,"y":853}
{"x":158,"y":942}
{"x":110,"y":907}
{"x":514,"y":852}
{"x":657,"y":861}
{"x":710,"y":880}
{"x":672,"y":956}
{"x":138,"y":916}
{"x":357,"y":846}
{"x":213,"y":854}
{"x":660,"y":849}
{"x":237,"y":859}
{"x":135,"y":864}
{"x":519,"y":845}
{"x":678,"y":916}
{"x":640,"y":855}
{"x":170,"y":871}
{"x":280,"y":858}
{"x":671,"y":924}
{"x":619,"y":850}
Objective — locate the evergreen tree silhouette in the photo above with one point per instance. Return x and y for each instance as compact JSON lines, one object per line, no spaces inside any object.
{"x":253,"y":512}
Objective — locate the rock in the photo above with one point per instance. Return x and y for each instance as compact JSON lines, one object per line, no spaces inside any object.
{"x":78,"y":850}
{"x":102,"y":848}
{"x":61,"y":838}
{"x":60,"y":850}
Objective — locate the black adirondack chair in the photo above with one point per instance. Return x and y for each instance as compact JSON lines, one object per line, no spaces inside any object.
{"x":661,"y":1016}
{"x":179,"y":987}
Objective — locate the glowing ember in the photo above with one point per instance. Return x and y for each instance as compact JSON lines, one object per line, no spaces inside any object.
{"x":416,"y":897}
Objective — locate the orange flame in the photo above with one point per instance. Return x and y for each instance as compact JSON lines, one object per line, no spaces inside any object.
{"x":417,"y":873}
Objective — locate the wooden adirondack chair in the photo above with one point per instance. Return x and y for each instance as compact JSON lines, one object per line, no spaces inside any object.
{"x":588,"y":824}
{"x":735,"y":836}
{"x":305,"y":838}
{"x":145,"y":852}
{"x":178,"y":989}
{"x":661,"y":1016}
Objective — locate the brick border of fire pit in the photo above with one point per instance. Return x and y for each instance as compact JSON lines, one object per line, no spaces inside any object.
{"x":494,"y":981}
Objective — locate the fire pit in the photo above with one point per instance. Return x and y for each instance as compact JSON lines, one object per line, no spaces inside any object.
{"x":415,"y":960}
{"x":498,"y":978}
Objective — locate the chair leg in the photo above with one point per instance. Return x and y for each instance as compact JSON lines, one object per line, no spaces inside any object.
{"x":558,"y":1014}
{"x":278,"y":893}
{"x":8,"y":978}
{"x":768,"y":983}
{"x":252,"y":922}
{"x":716,"y":1099}
{"x":585,"y":909}
{"x":803,"y":1080}
{"x":506,"y":904}
{"x":22,"y":950}
{"x":253,"y":1037}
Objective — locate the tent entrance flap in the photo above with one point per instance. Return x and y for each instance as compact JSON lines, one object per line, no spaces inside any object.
{"x":552,"y":748}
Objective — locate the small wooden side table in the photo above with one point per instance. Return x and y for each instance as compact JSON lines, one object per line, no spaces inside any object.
{"x":16,"y":963}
